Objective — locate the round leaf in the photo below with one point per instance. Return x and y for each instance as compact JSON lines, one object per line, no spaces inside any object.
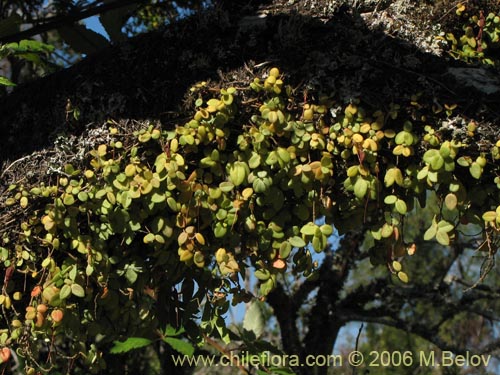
{"x":296,"y":241}
{"x":77,"y":290}
{"x":401,"y":206}
{"x":443,"y":238}
{"x":360,"y":188}
{"x":450,"y":201}
{"x":403,"y":277}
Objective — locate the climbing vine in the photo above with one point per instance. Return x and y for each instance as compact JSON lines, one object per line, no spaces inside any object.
{"x":480,"y":38}
{"x":161,"y":224}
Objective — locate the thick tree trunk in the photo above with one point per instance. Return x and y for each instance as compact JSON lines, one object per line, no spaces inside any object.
{"x":324,"y":47}
{"x":324,"y":320}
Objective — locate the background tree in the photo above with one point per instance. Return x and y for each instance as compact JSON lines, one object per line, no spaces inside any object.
{"x":58,"y":23}
{"x":242,"y":183}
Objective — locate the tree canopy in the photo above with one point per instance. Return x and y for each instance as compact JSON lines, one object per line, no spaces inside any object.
{"x":131,"y":233}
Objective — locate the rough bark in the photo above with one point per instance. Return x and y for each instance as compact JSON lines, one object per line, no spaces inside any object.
{"x":328,"y":48}
{"x":322,"y":45}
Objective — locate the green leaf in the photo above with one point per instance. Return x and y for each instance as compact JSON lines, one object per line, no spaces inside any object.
{"x":226,"y":186}
{"x":158,"y":198}
{"x":423,"y":173}
{"x":360,"y":187}
{"x":65,"y":291}
{"x":283,"y":154}
{"x":386,"y":231}
{"x":131,"y":275}
{"x":326,"y":229}
{"x":464,"y":161}
{"x":6,"y":82}
{"x":254,"y":160}
{"x":319,"y":243}
{"x":179,"y":345}
{"x":238,"y":173}
{"x":220,"y":230}
{"x":430,"y":233}
{"x":490,"y":216}
{"x":148,"y":238}
{"x":398,"y":176}
{"x":172,"y":331}
{"x":444,"y":226}
{"x":309,"y":229}
{"x":403,"y":277}
{"x":68,"y":200}
{"x":29,"y":45}
{"x":77,"y":290}
{"x":285,"y":249}
{"x":259,"y":186}
{"x":450,"y":201}
{"x":429,"y":155}
{"x":476,"y":170}
{"x":73,"y":272}
{"x":389,"y":179}
{"x":445,"y":150}
{"x":437,"y":162}
{"x":83,"y":196}
{"x":353,"y":171}
{"x":401,"y":206}
{"x":129,"y":344}
{"x":262,"y":274}
{"x":390,"y":199}
{"x":254,"y":319}
{"x":296,"y":241}
{"x":396,"y":266}
{"x":443,"y":238}
{"x":89,"y":270}
{"x":434,"y":159}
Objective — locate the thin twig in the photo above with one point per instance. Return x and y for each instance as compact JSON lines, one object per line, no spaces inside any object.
{"x":451,"y":9}
{"x":13,"y":163}
{"x":354,"y":368}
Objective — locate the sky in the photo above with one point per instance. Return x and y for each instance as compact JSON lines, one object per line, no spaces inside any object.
{"x":94,"y":24}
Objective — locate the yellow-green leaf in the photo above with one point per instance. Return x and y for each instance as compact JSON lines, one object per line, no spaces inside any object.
{"x":403,"y":277}
{"x":489,"y":216}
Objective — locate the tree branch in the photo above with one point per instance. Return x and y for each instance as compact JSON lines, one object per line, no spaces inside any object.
{"x":286,"y":314}
{"x":65,"y":20}
{"x":324,"y":323}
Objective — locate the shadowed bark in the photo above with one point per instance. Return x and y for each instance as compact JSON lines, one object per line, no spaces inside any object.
{"x":328,"y":50}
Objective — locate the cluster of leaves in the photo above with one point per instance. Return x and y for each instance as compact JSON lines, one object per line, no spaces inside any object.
{"x":162,"y":224}
{"x":481,"y":35}
{"x":28,"y":50}
{"x":154,"y":13}
{"x":56,"y":22}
